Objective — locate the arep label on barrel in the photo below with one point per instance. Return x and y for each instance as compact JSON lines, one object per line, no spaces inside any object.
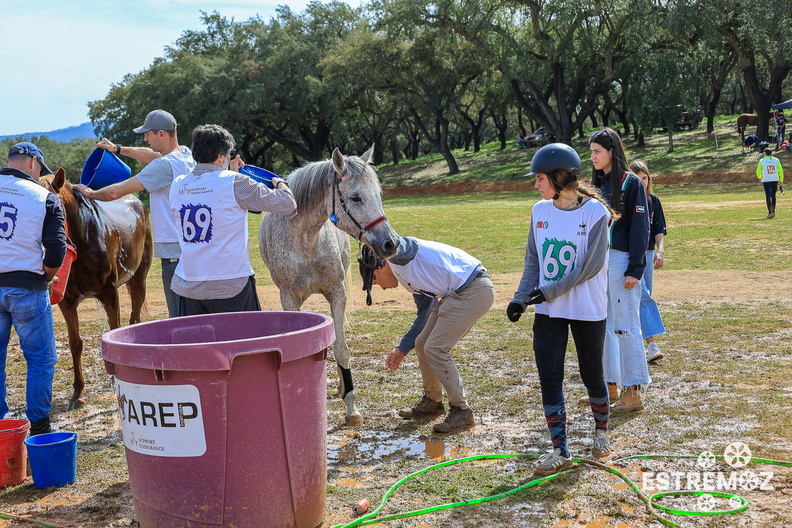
{"x":161,"y":420}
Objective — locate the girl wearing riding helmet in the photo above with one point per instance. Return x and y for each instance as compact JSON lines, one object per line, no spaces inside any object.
{"x":565,"y":276}
{"x":651,"y":321}
{"x":623,"y":359}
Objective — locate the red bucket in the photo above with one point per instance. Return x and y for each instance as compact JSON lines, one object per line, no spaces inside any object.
{"x":59,"y":288}
{"x":13,"y":455}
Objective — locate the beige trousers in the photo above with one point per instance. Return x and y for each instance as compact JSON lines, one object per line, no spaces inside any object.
{"x":451,"y":319}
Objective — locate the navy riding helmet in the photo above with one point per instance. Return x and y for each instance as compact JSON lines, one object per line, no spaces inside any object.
{"x":556,"y":156}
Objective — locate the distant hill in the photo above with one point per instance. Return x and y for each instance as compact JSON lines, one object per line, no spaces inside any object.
{"x":83,"y":131}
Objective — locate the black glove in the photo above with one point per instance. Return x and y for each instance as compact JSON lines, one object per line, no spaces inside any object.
{"x":536,"y":297}
{"x":514,"y":311}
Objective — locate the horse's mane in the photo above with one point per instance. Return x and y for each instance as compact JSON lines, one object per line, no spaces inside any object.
{"x":91,"y":219}
{"x":311,"y":183}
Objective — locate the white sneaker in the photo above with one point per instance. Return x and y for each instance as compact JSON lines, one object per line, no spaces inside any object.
{"x":654,"y":353}
{"x":551,"y":463}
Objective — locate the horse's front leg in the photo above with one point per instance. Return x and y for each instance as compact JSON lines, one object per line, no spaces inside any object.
{"x":337,"y":300}
{"x":72,"y":319}
{"x":112,"y":305}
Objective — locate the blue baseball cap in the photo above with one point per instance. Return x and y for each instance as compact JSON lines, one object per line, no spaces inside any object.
{"x":27,"y":148}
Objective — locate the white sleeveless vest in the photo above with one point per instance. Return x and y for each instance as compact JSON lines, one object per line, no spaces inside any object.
{"x":561,"y":239}
{"x":213,"y":228}
{"x":165,"y":229}
{"x":436,"y":270}
{"x":769,"y":169}
{"x":23,"y":206}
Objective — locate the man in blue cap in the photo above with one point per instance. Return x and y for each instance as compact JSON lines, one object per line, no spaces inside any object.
{"x":165,"y":160}
{"x":32,"y":247}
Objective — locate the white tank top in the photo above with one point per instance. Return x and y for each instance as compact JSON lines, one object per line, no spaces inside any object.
{"x":561,"y":239}
{"x":165,"y":228}
{"x":213,"y":229}
{"x":23,"y":206}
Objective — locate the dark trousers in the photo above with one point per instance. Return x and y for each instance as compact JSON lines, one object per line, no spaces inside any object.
{"x":245,"y":301}
{"x":550,"y":341}
{"x":770,"y":189}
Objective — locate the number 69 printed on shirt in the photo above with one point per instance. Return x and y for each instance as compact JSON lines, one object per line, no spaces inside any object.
{"x":196,"y":222}
{"x":558,"y":257}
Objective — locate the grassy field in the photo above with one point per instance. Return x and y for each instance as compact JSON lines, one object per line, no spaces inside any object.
{"x":726,"y":379}
{"x":693,"y":151}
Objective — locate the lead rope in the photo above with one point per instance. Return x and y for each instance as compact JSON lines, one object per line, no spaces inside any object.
{"x":368,"y":262}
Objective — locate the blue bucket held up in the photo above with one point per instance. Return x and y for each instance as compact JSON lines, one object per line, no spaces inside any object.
{"x":260,"y":175}
{"x":53,"y":459}
{"x":103,"y":168}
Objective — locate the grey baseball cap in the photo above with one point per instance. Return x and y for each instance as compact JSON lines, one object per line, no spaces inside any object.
{"x":157,"y":120}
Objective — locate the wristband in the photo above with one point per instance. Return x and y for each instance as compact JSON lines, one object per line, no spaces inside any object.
{"x":118,"y":149}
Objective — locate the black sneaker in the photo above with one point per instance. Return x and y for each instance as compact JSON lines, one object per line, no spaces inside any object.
{"x":40,"y":427}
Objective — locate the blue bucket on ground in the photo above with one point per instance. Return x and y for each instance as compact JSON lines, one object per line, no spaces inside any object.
{"x":103,"y":168}
{"x":53,"y":459}
{"x":260,"y":175}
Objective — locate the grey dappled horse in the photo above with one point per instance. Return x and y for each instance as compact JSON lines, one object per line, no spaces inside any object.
{"x":306,"y":254}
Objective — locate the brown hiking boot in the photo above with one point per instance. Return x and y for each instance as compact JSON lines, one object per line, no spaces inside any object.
{"x":613,"y":394}
{"x":456,"y":420}
{"x":423,"y":409}
{"x":630,"y":400}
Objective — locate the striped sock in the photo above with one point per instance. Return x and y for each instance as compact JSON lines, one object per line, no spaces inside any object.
{"x":555,"y":414}
{"x":599,"y":406}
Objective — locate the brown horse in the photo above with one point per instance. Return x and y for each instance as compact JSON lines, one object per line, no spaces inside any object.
{"x":744,"y":120}
{"x":114,"y":247}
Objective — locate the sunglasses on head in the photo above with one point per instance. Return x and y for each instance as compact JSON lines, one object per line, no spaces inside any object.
{"x":599,"y":133}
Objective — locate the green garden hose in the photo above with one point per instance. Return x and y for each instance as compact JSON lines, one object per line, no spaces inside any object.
{"x":650,"y":501}
{"x":28,"y":520}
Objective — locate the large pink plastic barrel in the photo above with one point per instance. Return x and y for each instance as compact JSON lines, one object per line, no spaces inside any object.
{"x":224,"y":418}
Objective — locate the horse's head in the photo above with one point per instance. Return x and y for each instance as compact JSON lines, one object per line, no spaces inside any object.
{"x":57,"y":184}
{"x":357,"y":203}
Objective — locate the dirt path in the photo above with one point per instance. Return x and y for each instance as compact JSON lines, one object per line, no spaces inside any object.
{"x":673,"y":286}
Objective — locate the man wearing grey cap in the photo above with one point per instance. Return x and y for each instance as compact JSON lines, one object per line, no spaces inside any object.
{"x":32,"y":247}
{"x":165,"y":160}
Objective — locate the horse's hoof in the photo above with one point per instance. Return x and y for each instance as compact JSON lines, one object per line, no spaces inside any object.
{"x":354,"y":420}
{"x":76,"y":404}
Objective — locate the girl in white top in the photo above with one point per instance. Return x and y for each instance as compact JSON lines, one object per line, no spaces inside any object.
{"x":565,"y":276}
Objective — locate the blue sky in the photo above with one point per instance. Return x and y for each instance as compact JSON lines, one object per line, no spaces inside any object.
{"x":57,"y":55}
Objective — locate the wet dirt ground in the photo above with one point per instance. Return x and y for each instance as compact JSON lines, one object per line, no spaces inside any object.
{"x":364,"y":461}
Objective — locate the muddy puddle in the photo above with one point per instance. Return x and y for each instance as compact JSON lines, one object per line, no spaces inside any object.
{"x":366,"y":448}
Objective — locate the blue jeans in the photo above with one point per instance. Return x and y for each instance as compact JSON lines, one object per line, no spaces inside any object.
{"x":30,"y":312}
{"x":651,"y":321}
{"x":172,"y":299}
{"x":624,"y":359}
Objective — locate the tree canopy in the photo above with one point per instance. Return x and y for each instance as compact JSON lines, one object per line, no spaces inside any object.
{"x":412,"y":77}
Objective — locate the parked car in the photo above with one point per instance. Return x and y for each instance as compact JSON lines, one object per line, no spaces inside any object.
{"x":539,"y":138}
{"x":679,"y":117}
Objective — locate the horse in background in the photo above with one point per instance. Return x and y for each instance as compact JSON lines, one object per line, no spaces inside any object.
{"x":309,"y":252}
{"x":745,"y":120}
{"x":114,"y":247}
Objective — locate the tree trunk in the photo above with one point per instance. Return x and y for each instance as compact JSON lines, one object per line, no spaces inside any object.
{"x":501,"y":125}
